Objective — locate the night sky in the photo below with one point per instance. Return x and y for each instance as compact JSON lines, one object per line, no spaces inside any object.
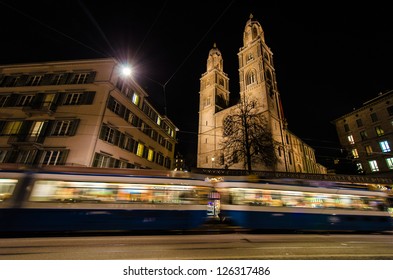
{"x":328,"y":58}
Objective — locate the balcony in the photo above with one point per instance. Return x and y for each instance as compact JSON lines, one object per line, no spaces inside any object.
{"x":40,"y":108}
{"x":26,"y":140}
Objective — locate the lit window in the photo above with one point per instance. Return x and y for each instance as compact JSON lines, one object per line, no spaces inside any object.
{"x":384,"y":146}
{"x":379,"y":131}
{"x":355,"y":153}
{"x":389,"y":162}
{"x":140,"y":149}
{"x":359,"y":167}
{"x":36,"y":129}
{"x":135,"y":99}
{"x":150,"y":155}
{"x":350,"y":139}
{"x":369,"y":150}
{"x":373,"y":165}
{"x":11,"y":128}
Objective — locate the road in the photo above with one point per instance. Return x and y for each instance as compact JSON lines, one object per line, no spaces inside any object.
{"x":206,"y":246}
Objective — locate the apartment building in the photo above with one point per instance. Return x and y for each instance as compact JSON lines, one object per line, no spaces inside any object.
{"x":367,"y":133}
{"x":80,"y":113}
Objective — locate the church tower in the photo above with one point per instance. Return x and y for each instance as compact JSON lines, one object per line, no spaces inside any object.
{"x":214,"y":97}
{"x":257,"y":81}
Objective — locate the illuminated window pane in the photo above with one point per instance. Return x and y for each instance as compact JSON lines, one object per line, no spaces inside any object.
{"x":12,"y":128}
{"x":140,"y":149}
{"x":355,"y":153}
{"x":369,"y":150}
{"x":135,"y":99}
{"x":384,"y":146}
{"x":150,"y":155}
{"x":389,"y":162}
{"x":379,"y":131}
{"x":373,"y":165}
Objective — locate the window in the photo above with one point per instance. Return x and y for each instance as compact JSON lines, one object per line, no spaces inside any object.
{"x":374,"y":117}
{"x":79,"y":98}
{"x":24,"y":100}
{"x":346,"y":127}
{"x":3,"y":154}
{"x":37,"y":128}
{"x":11,"y":128}
{"x":79,"y":78}
{"x":250,"y":79}
{"x":26,"y":156}
{"x":3,"y":100}
{"x":150,"y":155}
{"x":221,"y":82}
{"x":228,"y":126}
{"x":73,"y":98}
{"x":109,"y":135}
{"x":101,"y":160}
{"x":140,"y":150}
{"x":54,"y":157}
{"x":369,"y":150}
{"x":390,"y":110}
{"x":384,"y":146}
{"x":359,"y":122}
{"x":373,"y":165}
{"x":363,"y":135}
{"x":389,"y":163}
{"x":116,"y":106}
{"x":135,"y":99}
{"x":34,"y":80}
{"x":355,"y":153}
{"x":350,"y":140}
{"x":57,"y":79}
{"x":64,"y":127}
{"x":379,"y":131}
{"x":359,"y":167}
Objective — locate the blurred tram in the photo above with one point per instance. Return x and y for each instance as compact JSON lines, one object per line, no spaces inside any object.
{"x":100,"y":199}
{"x":286,"y":204}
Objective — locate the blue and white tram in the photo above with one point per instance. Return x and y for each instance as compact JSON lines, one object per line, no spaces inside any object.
{"x":87,"y":199}
{"x":282,"y":206}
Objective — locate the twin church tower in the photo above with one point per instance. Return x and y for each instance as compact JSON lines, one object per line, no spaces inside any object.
{"x":257,"y":79}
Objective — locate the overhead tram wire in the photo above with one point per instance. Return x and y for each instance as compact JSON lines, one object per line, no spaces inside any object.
{"x":163,"y":85}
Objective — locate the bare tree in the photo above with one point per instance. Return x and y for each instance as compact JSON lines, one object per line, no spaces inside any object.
{"x":247,"y":137}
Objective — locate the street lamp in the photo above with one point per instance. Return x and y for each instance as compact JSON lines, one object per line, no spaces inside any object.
{"x":213,"y":162}
{"x":126,"y":71}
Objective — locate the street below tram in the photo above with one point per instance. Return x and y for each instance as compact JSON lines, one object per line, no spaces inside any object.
{"x":208,"y":246}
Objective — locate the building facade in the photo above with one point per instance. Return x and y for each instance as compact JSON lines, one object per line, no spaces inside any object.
{"x":80,"y":113}
{"x":367,"y":134}
{"x":257,"y":81}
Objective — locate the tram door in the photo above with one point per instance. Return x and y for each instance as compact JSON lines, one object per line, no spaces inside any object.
{"x":213,"y":206}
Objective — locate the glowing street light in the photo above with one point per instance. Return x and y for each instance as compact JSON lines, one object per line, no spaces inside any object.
{"x":126,"y":71}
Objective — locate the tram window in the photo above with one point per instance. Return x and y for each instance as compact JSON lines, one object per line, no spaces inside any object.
{"x":7,"y":187}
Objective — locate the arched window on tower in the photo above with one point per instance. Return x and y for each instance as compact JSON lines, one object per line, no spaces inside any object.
{"x":251,"y":77}
{"x":254,"y":32}
{"x":250,"y":57}
{"x":221,"y":82}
